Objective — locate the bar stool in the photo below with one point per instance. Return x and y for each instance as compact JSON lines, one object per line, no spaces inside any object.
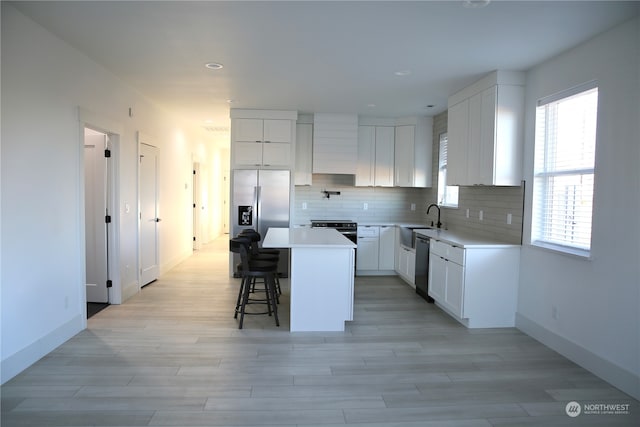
{"x":250,"y":270}
{"x":263,"y":254}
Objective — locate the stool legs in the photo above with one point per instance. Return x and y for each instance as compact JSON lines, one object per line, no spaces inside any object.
{"x":246,"y":285}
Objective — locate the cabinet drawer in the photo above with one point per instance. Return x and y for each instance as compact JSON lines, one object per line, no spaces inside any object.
{"x":456,"y":255}
{"x":365,"y":231}
{"x":439,"y":248}
{"x":447,"y":251}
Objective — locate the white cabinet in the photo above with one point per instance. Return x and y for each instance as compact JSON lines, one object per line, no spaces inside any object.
{"x":446,"y":276}
{"x":387,"y":248}
{"x":335,"y":143}
{"x":476,"y":285}
{"x":485,"y":131}
{"x":407,"y":264}
{"x":368,"y":248}
{"x":262,"y":139}
{"x":376,"y":250}
{"x":413,"y":153}
{"x":304,"y":145}
{"x":376,"y":146}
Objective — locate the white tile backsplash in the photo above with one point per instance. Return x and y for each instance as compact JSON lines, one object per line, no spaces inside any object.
{"x":384,"y":204}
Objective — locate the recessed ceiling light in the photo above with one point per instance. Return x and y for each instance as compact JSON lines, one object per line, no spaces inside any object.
{"x":402,"y":73}
{"x":475,"y":4}
{"x":213,"y":65}
{"x":371,"y":105}
{"x":230,"y":101}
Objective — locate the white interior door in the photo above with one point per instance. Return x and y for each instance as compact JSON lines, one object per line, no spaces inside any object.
{"x":96,"y":190}
{"x":149,"y":218}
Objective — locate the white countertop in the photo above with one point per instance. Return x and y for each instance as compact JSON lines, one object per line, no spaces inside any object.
{"x":462,"y":240}
{"x":305,"y":238}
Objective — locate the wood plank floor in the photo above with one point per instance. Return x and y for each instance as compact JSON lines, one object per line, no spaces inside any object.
{"x":173,"y":356}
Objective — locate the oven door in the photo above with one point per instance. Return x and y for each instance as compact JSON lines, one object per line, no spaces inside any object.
{"x":350,"y":234}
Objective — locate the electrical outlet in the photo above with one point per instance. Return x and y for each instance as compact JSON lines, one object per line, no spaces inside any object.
{"x":554,"y":312}
{"x":481,"y":215}
{"x":413,"y":206}
{"x":304,"y":206}
{"x":467,"y":213}
{"x":365,"y":206}
{"x":509,"y":218}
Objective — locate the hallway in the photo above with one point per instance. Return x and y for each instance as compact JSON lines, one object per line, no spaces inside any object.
{"x":173,"y":356}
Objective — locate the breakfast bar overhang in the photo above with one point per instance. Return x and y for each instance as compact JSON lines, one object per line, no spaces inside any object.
{"x":321,"y":276}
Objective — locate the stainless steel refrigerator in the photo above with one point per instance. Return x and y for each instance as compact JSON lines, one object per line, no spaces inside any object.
{"x":259,"y":200}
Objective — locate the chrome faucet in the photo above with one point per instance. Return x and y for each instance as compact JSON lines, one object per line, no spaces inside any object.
{"x":433,"y":205}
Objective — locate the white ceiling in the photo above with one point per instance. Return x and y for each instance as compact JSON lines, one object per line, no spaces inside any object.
{"x":323,"y":56}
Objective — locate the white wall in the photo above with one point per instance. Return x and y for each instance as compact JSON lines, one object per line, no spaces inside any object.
{"x":597,"y":301}
{"x":44,"y":82}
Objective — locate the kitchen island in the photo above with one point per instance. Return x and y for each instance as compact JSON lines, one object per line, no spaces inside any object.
{"x":321,"y":276}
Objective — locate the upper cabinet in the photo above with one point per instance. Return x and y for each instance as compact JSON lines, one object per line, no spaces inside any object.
{"x":375,"y":156}
{"x":304,"y":147}
{"x":394,"y":152}
{"x":413,"y":152}
{"x":262,"y":138}
{"x":335,"y":143}
{"x":485,"y":131}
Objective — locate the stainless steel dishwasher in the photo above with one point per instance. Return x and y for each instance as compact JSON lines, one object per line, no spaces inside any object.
{"x":421,"y":244}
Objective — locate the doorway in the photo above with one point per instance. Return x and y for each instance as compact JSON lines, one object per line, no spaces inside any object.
{"x":149,"y":215}
{"x":97,"y":177}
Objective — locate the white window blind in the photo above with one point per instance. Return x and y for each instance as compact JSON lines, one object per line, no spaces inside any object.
{"x":564,"y":162}
{"x":447,"y":194}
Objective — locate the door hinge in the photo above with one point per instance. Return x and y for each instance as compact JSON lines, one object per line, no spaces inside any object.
{"x":109,"y":283}
{"x":194,"y":171}
{"x":194,"y":238}
{"x":194,"y":206}
{"x":107,"y":153}
{"x":107,"y":219}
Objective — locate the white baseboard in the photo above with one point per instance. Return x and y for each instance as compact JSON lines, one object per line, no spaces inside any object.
{"x":130,"y":290}
{"x":18,"y":362}
{"x":621,"y":378}
{"x":166,"y":266}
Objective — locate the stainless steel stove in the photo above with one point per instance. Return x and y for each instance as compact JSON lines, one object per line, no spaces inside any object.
{"x":349,"y":229}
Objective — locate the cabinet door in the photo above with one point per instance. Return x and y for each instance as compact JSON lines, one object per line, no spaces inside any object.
{"x":386,"y":252}
{"x":367,"y":258}
{"x":277,"y":131}
{"x":458,"y":136}
{"x":247,"y":153}
{"x":384,"y":163}
{"x":276,"y":154}
{"x":304,"y":141}
{"x":437,"y":277}
{"x":486,"y":156}
{"x":248,"y":130}
{"x":404,"y":156}
{"x":454,"y":291}
{"x":366,"y":156}
{"x":411,"y":266}
{"x":474,"y":138}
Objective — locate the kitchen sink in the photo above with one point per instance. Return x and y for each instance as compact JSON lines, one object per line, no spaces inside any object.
{"x":407,"y":234}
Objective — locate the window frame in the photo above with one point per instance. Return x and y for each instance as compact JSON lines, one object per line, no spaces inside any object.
{"x":542,"y":176}
{"x":444,"y":191}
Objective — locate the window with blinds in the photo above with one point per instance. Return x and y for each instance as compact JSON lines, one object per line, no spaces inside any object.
{"x":447,"y":194}
{"x":565,"y":143}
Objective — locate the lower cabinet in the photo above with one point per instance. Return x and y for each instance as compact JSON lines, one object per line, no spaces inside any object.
{"x":407,"y":264}
{"x":476,"y":285}
{"x":376,"y":250}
